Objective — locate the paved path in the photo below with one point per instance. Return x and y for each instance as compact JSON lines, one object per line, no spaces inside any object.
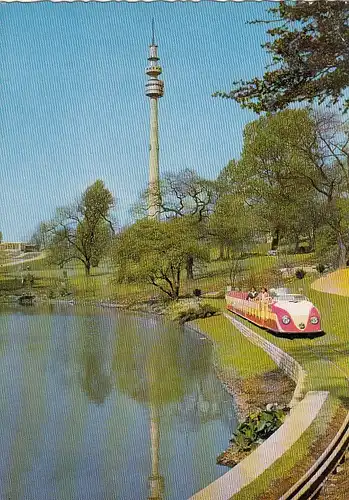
{"x":336,"y":283}
{"x":23,"y":261}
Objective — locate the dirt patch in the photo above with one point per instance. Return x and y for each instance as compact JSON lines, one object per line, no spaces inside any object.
{"x":256,"y":392}
{"x":253,"y":394}
{"x":281,"y":485}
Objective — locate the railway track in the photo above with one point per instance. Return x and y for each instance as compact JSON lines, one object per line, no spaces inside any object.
{"x":310,"y":484}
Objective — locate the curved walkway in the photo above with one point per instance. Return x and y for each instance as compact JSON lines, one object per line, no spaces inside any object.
{"x":336,"y":283}
{"x":267,"y":453}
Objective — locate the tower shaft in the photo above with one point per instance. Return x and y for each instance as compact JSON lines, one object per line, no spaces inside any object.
{"x":154,"y":183}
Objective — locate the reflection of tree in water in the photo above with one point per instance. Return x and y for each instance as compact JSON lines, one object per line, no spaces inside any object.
{"x":158,"y":363}
{"x":161,"y":366}
{"x":206,"y":402}
{"x":97,"y":377}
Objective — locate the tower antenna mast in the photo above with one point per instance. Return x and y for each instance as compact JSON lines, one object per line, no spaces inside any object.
{"x":152,"y":32}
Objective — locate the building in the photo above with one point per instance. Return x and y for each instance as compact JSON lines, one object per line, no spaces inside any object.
{"x":154,"y":89}
{"x":13,"y":246}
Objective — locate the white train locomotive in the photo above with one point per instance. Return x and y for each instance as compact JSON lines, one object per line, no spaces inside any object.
{"x":283,"y":311}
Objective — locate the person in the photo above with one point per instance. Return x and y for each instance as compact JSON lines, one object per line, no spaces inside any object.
{"x":264,"y":295}
{"x":252,"y":294}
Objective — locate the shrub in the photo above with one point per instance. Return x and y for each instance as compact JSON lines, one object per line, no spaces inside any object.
{"x":189,"y":311}
{"x":51,"y":294}
{"x":320,"y":268}
{"x":257,"y":427}
{"x":300,"y":273}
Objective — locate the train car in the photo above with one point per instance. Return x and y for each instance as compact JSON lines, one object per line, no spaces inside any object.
{"x":283,"y":312}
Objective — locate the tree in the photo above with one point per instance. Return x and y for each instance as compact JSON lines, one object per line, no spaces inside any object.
{"x":226,"y":182}
{"x":232,"y":225}
{"x":327,"y":171}
{"x":181,"y":194}
{"x":275,"y":172}
{"x":157,"y":252}
{"x":310,"y":58}
{"x":83,"y":231}
{"x":41,"y":236}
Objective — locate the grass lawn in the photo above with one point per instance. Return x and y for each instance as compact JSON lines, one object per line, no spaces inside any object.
{"x":233,"y":350}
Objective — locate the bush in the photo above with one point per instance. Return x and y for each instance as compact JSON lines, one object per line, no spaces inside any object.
{"x":257,"y":427}
{"x":189,"y":311}
{"x":300,"y":273}
{"x":320,"y":268}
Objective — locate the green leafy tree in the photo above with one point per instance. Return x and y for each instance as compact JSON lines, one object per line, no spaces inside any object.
{"x":327,"y":171}
{"x":310,"y":58}
{"x":226,"y":181}
{"x":157,"y":252}
{"x":83,"y":231}
{"x":60,"y":250}
{"x":275,"y":172}
{"x":232,"y":225}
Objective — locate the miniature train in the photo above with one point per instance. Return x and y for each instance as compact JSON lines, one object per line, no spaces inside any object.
{"x":283,"y":312}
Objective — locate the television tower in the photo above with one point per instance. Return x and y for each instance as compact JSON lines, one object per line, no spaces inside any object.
{"x":154,"y":89}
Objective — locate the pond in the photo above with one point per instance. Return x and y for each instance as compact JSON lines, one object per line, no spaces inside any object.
{"x":101,"y":404}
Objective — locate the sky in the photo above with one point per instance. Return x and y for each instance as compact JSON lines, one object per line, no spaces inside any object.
{"x":73,"y":107}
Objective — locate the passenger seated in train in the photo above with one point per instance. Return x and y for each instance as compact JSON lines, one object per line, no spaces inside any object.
{"x":264,"y":296}
{"x":252,"y":294}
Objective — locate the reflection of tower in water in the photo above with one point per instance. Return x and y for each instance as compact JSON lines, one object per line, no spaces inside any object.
{"x":164,"y":369}
{"x":156,"y":481}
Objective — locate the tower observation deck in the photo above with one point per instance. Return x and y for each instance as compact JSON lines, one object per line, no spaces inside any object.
{"x":154,"y":89}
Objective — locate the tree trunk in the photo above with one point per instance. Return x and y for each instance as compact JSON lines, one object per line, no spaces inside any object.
{"x":296,"y":245}
{"x":275,"y":241}
{"x":312,"y":240}
{"x":189,"y":267}
{"x":87,"y":268}
{"x":342,"y":252}
{"x":221,"y":251}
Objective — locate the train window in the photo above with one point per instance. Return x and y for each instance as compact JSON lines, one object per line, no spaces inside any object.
{"x":292,"y":297}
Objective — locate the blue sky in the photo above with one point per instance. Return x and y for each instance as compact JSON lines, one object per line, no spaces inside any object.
{"x":73,"y":107}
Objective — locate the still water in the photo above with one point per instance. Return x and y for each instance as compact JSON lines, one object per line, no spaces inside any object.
{"x":101,"y":405}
